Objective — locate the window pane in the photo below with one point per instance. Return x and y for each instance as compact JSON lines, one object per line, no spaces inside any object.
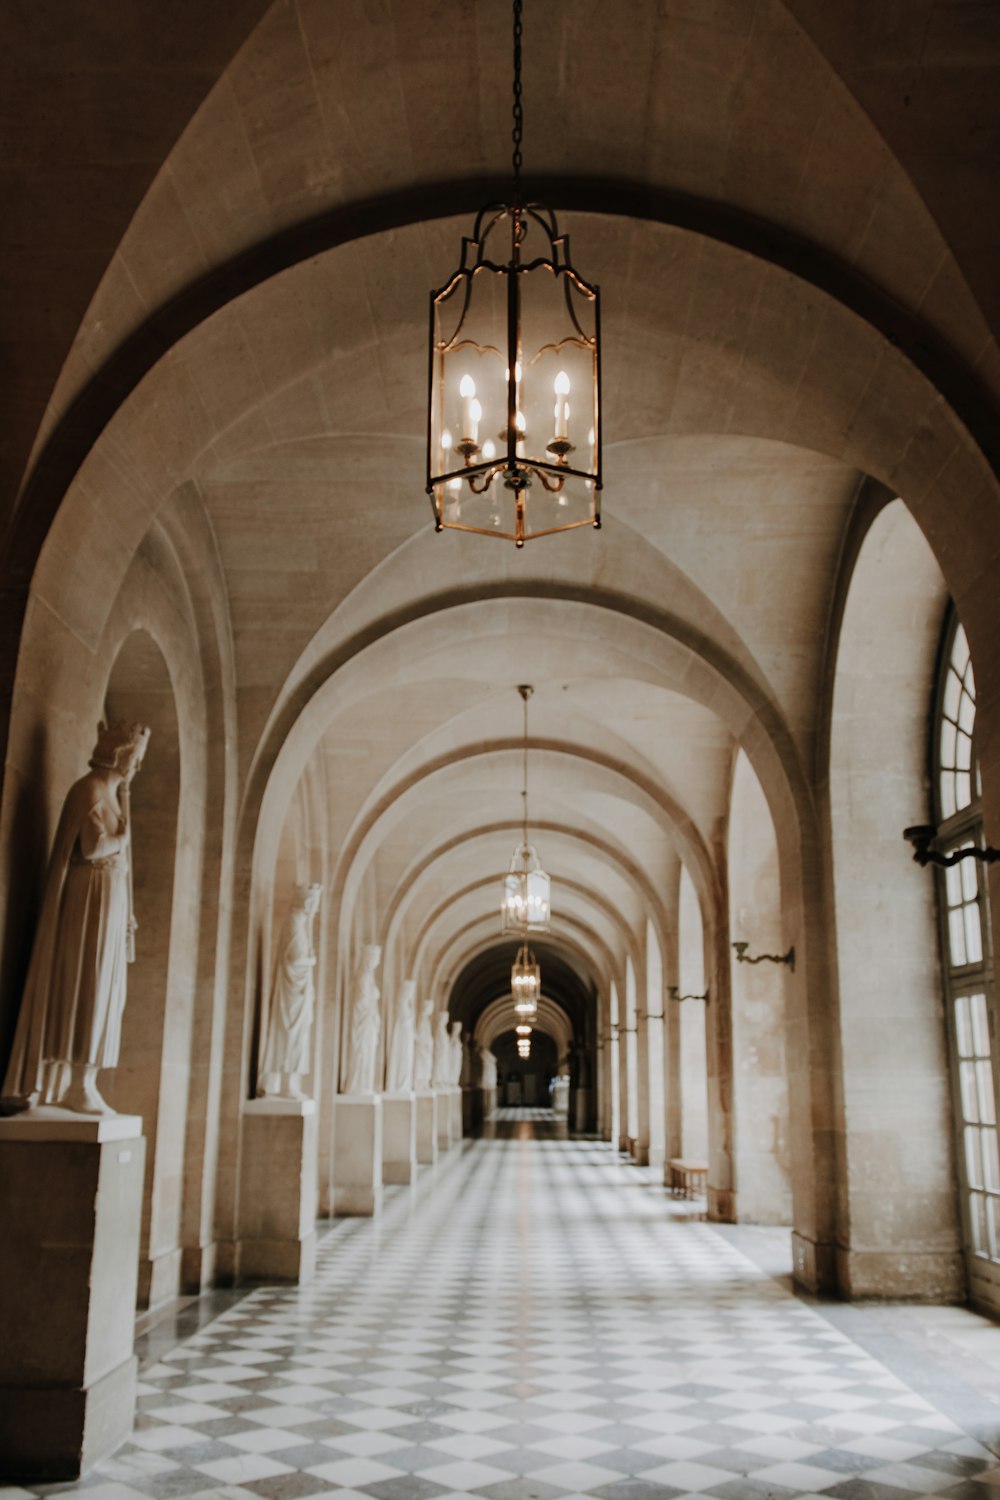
{"x":963,"y":789}
{"x":973,"y":935}
{"x":977,"y":1216}
{"x":970,"y":1094}
{"x":947,"y":792}
{"x":984,"y":1078}
{"x":956,"y":933}
{"x":980,"y":1025}
{"x":970,"y":880}
{"x":948,"y":737}
{"x":953,"y":884}
{"x":973,"y":1157}
{"x":963,"y":752}
{"x":963,"y":1026}
{"x":993,"y":1216}
{"x":960,"y":651}
{"x":952,"y":694}
{"x":991,"y":1164}
{"x":966,"y":713}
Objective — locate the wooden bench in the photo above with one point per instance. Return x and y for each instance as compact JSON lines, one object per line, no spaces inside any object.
{"x":688,"y":1177}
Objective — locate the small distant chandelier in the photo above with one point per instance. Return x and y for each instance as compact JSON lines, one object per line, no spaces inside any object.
{"x":525,"y":983}
{"x":525,"y":905}
{"x":514,"y":410}
{"x":523,"y":1041}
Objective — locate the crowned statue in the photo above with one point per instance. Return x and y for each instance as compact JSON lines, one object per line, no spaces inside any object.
{"x":488,"y":1062}
{"x":423,"y":1048}
{"x":399,"y":1068}
{"x":365,"y":1025}
{"x":70,"y":1021}
{"x":293,"y":1001}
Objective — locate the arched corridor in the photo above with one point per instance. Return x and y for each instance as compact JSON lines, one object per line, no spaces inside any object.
{"x":333,"y":823}
{"x":538,"y":1322}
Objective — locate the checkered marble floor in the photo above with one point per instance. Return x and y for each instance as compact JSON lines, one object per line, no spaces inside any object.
{"x":535,"y":1320}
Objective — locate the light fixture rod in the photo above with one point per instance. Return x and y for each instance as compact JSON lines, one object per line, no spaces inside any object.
{"x":517,"y":133}
{"x":526,"y":690}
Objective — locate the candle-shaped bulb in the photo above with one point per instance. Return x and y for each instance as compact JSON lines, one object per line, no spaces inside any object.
{"x":489,"y":449}
{"x":561,"y":384}
{"x":446,"y":440}
{"x":467,"y":391}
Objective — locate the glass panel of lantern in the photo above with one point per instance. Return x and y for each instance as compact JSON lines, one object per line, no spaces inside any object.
{"x":514,"y":447}
{"x":526,"y":904}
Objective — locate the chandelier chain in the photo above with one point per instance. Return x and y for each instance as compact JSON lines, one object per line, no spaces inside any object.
{"x":517,"y":134}
{"x":526,"y":772}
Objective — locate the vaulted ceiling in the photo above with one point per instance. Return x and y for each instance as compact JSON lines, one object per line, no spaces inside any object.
{"x":783,"y":318}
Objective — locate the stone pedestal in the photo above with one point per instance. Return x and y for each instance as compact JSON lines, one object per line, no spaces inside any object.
{"x":357,"y":1154}
{"x":399,"y":1138}
{"x":444,"y":1136}
{"x":71,"y":1189}
{"x":278,"y":1190}
{"x":426,"y":1102}
{"x":455,"y":1108}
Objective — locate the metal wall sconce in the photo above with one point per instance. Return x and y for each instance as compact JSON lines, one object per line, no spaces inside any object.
{"x":743,"y":957}
{"x":922,"y":836}
{"x":672,"y":994}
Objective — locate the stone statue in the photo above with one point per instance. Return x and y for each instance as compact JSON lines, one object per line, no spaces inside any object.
{"x":471,"y":1069}
{"x":366,"y":1024}
{"x":399,"y":1068}
{"x":423,"y":1049}
{"x":293,"y":1000}
{"x":456,"y":1053}
{"x":70,"y":1022}
{"x":489,"y":1074}
{"x":441,"y":1072}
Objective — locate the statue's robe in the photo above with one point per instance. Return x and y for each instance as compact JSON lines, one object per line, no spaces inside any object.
{"x":74,"y":995}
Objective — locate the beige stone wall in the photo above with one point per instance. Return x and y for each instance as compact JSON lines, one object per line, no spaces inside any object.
{"x":898,"y":1229}
{"x":762,"y":1165}
{"x":231,"y":468}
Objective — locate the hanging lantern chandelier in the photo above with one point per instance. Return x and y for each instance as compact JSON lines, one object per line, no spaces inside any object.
{"x":525,"y":905}
{"x":514,"y":409}
{"x":525,"y":984}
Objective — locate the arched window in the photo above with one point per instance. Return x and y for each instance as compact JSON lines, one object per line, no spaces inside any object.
{"x":967,"y":960}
